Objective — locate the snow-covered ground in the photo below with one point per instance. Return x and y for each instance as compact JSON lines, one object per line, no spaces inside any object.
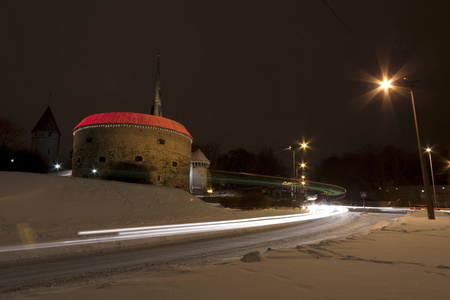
{"x":409,"y":259}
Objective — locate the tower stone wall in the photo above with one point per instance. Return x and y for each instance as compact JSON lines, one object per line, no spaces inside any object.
{"x":45,"y":137}
{"x":199,"y":172}
{"x":135,"y":153}
{"x":46,"y":143}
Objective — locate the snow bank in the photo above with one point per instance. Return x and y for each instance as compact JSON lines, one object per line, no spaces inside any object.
{"x":41,"y":207}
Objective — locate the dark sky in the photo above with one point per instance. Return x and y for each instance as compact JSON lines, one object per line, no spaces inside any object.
{"x":241,"y":73}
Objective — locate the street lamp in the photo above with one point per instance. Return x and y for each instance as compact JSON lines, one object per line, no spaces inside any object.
{"x":294,"y":168}
{"x":57,"y":166}
{"x":386,"y":84}
{"x":432,"y":177}
{"x":290,"y":148}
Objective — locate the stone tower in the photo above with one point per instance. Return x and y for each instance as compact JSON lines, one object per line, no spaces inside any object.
{"x":45,"y":137}
{"x":198,"y":181}
{"x":156,"y":108}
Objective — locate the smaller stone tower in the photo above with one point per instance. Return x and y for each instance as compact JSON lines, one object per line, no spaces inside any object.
{"x":198,"y":181}
{"x":45,"y":137}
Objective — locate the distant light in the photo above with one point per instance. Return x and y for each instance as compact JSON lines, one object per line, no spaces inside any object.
{"x":12,"y":160}
{"x":210,"y":191}
{"x":94,"y":171}
{"x":57,"y":166}
{"x":386,"y":84}
{"x":428,"y":149}
{"x":304,"y":145}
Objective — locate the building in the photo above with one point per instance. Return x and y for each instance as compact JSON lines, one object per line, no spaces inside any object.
{"x":134,"y":147}
{"x":45,"y":137}
{"x":198,"y":182}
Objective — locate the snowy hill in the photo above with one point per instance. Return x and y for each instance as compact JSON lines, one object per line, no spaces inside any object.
{"x":58,"y":207}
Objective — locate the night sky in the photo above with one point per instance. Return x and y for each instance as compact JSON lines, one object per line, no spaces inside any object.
{"x":240,"y":73}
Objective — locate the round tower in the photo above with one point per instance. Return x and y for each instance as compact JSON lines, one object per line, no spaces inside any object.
{"x":132,"y":147}
{"x":198,"y":178}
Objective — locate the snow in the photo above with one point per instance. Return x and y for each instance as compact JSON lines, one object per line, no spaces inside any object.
{"x":38,"y":208}
{"x":408,"y":259}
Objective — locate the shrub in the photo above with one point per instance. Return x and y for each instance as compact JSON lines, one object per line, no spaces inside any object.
{"x":253,"y":200}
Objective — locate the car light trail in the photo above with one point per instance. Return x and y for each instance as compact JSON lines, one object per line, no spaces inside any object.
{"x":180,"y":229}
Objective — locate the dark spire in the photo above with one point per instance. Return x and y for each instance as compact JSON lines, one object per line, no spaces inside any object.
{"x":156,"y":108}
{"x":47,"y":123}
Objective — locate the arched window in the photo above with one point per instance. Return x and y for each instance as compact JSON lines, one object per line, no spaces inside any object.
{"x":174,"y":164}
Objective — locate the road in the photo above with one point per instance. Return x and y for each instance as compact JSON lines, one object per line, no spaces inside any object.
{"x":78,"y":269}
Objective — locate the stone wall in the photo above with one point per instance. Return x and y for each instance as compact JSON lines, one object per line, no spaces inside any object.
{"x":132,"y":153}
{"x":46,"y":144}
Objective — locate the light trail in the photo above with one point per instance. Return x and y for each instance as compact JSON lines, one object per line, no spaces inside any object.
{"x":393,"y":208}
{"x":181,"y":229}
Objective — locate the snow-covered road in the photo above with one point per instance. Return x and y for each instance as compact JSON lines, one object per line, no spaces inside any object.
{"x":67,"y":270}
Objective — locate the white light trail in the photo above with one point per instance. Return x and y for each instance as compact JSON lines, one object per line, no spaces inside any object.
{"x":181,"y":229}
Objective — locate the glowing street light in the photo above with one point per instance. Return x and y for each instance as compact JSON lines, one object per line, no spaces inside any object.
{"x":432,"y":176}
{"x":57,"y":166}
{"x":294,"y":168}
{"x":386,"y":84}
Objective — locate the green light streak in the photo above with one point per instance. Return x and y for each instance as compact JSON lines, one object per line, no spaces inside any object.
{"x":223,"y":177}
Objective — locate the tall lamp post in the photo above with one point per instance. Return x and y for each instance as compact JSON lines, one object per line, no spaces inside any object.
{"x":294,"y":169}
{"x":432,"y":177}
{"x":426,"y":183}
{"x":290,"y":148}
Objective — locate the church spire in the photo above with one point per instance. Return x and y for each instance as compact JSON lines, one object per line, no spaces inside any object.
{"x":156,"y":108}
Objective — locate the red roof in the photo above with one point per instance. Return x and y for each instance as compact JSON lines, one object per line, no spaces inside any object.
{"x":132,"y":119}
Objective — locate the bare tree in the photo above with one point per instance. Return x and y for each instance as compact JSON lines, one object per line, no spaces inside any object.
{"x":10,"y":134}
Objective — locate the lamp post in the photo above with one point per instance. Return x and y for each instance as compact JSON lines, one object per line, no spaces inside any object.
{"x":426,"y":183}
{"x":432,"y":177}
{"x":290,"y":148}
{"x":294,"y":169}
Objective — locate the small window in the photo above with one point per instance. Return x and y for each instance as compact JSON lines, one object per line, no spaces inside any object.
{"x":102,"y":159}
{"x":159,"y":178}
{"x":89,"y":139}
{"x":138,"y":158}
{"x":174,"y":164}
{"x":79,"y":160}
{"x":49,"y":134}
{"x":161,"y":141}
{"x":48,"y":151}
